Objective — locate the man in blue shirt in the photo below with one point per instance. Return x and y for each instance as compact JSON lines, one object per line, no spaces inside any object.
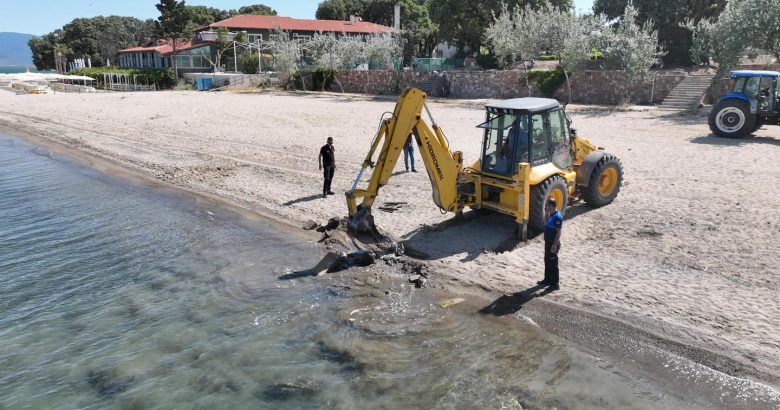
{"x":552,"y":244}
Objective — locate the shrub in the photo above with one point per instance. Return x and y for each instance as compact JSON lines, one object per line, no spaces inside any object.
{"x":248,"y":63}
{"x":487,"y":61}
{"x":323,"y":74}
{"x":163,"y":79}
{"x":547,"y":80}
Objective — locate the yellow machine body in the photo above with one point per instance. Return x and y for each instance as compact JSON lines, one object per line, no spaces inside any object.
{"x":456,"y":187}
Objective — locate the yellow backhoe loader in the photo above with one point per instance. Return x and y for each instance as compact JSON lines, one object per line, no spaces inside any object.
{"x":529,"y":154}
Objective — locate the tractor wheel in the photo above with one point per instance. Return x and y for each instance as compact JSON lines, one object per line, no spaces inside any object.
{"x":757,"y":126}
{"x":731,"y":118}
{"x":554,"y":187}
{"x":605,"y":182}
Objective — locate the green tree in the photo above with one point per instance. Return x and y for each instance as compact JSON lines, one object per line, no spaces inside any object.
{"x":417,"y":29}
{"x":632,"y":48}
{"x":258,"y":10}
{"x":668,"y":17}
{"x":340,"y":9}
{"x":745,"y":28}
{"x":115,"y":33}
{"x":99,"y":38}
{"x":171,"y":24}
{"x":201,"y":16}
{"x":462,"y":22}
{"x":525,"y":33}
{"x":43,"y":49}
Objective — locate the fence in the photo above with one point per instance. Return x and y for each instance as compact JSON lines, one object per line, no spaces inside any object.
{"x":437,"y":64}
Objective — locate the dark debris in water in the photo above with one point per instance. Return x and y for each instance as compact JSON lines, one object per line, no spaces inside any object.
{"x":347,"y":361}
{"x":297,"y":388}
{"x":107,"y":383}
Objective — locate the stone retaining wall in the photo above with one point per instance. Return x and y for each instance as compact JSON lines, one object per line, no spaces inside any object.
{"x":591,"y":87}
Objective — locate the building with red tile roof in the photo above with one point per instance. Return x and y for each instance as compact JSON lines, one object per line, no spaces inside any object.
{"x":196,"y":55}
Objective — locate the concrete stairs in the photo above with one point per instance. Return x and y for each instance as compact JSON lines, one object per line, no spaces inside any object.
{"x":687,"y":94}
{"x":436,"y":85}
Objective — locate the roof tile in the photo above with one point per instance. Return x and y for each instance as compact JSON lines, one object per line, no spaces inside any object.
{"x":246,"y":21}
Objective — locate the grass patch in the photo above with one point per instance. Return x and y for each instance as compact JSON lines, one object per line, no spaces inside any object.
{"x":183,"y":86}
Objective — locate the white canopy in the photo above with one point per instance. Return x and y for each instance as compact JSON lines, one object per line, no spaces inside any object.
{"x":43,"y":77}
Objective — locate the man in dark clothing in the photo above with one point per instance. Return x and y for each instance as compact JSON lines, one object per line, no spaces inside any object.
{"x":552,"y":244}
{"x":327,"y":160}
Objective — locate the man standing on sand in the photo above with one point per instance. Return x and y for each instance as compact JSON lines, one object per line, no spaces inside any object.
{"x":552,"y":244}
{"x":409,"y":153}
{"x":327,"y":161}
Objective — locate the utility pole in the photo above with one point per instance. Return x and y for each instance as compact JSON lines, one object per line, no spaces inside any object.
{"x":235,"y":60}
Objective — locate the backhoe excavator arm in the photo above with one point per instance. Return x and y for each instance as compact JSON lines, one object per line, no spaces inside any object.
{"x":442,"y":165}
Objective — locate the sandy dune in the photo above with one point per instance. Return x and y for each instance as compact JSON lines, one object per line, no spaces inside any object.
{"x":690,"y":249}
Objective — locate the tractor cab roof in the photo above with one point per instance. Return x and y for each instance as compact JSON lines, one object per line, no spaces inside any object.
{"x":754,"y":73}
{"x":528,"y":104}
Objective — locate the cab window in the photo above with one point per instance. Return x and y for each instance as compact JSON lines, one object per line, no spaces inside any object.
{"x":751,"y":86}
{"x":505,"y":143}
{"x":540,"y":148}
{"x":739,"y":84}
{"x":560,"y":146}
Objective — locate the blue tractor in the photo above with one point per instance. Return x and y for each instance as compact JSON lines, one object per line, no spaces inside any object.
{"x":754,"y":102}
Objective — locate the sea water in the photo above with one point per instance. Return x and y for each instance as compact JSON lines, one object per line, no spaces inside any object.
{"x":13,"y":69}
{"x":119,"y":295}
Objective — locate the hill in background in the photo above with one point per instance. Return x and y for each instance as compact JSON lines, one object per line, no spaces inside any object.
{"x":14,"y":49}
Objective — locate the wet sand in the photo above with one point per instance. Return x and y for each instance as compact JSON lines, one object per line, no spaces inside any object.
{"x":685,"y":258}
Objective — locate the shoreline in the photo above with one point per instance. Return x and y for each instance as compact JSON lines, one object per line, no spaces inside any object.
{"x":574,"y":324}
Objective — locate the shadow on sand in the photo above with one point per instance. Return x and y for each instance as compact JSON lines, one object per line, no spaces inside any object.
{"x":303,"y":199}
{"x":510,"y":304}
{"x":477,"y":232}
{"x":735,"y":142}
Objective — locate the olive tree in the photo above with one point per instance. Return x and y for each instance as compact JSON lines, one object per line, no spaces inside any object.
{"x":632,"y":48}
{"x":332,"y":53}
{"x":220,"y":46}
{"x":381,"y":48}
{"x":517,"y":36}
{"x":525,"y":33}
{"x":287,"y":53}
{"x":744,"y":28}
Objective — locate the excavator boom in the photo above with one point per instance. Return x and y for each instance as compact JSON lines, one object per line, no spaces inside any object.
{"x":442,"y":165}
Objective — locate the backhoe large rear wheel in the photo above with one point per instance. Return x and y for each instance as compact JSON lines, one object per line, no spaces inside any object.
{"x":552,"y":187}
{"x":605,"y":182}
{"x":731,"y":118}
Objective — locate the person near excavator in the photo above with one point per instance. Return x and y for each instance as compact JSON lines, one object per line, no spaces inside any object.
{"x":552,"y":244}
{"x":409,"y":153}
{"x":327,"y":161}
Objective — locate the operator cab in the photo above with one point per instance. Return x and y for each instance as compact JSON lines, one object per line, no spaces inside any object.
{"x":532,"y":130}
{"x":761,"y":89}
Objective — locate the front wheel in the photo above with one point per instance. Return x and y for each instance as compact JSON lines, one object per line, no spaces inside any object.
{"x":731,"y":118}
{"x":605,"y":182}
{"x":552,"y":187}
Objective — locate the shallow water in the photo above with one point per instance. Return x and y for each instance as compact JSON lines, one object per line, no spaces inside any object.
{"x":120,"y":295}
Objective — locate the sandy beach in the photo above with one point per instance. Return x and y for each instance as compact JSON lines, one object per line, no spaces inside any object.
{"x":688,"y":252}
